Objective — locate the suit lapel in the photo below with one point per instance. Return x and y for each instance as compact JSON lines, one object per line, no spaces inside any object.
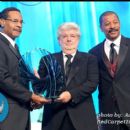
{"x":15,"y":52}
{"x":103,"y":54}
{"x":122,"y":53}
{"x":74,"y":68}
{"x":104,"y":60}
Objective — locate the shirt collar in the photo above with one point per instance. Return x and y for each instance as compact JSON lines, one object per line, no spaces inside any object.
{"x":9,"y":39}
{"x":73,"y":54}
{"x":116,"y":42}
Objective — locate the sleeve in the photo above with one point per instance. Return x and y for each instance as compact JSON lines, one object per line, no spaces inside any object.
{"x":10,"y":85}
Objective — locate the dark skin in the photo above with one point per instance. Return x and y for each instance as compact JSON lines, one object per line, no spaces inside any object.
{"x":110,"y":25}
{"x":12,"y":26}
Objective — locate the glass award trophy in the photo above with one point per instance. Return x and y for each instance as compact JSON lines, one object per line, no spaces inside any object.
{"x":41,"y":68}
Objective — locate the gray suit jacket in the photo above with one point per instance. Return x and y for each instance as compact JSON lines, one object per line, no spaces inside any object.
{"x":13,"y":88}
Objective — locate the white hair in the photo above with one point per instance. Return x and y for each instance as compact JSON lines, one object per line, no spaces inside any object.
{"x":68,"y":26}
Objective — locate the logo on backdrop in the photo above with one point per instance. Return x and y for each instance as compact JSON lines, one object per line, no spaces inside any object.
{"x":4,"y":108}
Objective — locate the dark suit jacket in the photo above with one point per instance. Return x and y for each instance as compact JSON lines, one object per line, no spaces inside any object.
{"x":13,"y":88}
{"x":117,"y":88}
{"x":81,"y":83}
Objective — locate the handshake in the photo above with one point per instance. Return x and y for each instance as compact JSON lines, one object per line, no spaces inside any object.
{"x":38,"y":101}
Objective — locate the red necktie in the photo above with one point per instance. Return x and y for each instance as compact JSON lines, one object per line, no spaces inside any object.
{"x":113,"y":54}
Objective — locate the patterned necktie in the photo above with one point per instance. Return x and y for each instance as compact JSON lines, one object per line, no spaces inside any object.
{"x":113,"y":53}
{"x":68,"y":65}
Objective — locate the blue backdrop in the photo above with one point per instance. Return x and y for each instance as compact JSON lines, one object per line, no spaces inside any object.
{"x":43,"y":18}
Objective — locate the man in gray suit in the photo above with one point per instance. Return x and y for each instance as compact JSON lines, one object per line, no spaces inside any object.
{"x":11,"y":86}
{"x":114,"y":85}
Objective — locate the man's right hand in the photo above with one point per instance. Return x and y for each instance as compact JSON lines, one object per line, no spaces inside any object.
{"x":40,"y":100}
{"x":36,"y":74}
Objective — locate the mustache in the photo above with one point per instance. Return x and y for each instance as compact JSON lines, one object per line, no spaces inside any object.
{"x":113,"y":30}
{"x":18,"y":28}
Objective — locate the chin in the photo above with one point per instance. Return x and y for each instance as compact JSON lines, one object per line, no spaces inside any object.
{"x":113,"y":37}
{"x":16,"y":35}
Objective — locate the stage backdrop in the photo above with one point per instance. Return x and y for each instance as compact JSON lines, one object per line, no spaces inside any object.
{"x":41,"y":20}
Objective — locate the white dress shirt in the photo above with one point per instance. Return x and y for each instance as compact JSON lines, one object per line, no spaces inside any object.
{"x":108,"y":43}
{"x":65,"y":58}
{"x":9,"y":39}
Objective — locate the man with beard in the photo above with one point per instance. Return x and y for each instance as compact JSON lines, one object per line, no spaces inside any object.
{"x":114,"y":85}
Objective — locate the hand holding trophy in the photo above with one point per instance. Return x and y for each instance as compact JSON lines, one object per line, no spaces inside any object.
{"x":43,"y":71}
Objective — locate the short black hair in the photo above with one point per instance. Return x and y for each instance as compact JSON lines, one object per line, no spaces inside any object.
{"x":4,"y":13}
{"x":106,"y":13}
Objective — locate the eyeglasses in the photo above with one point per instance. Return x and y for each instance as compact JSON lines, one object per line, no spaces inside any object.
{"x":15,"y":21}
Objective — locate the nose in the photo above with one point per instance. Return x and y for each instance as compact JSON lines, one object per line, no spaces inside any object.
{"x":112,"y":25}
{"x":68,"y":38}
{"x":19,"y":24}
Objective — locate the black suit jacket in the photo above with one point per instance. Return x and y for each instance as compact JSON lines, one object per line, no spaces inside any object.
{"x":117,"y":88}
{"x":81,"y":83}
{"x":13,"y":88}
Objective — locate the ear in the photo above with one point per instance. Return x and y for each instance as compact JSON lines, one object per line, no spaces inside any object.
{"x":101,"y":28}
{"x":2,"y":23}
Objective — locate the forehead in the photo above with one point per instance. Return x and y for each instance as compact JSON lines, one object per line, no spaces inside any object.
{"x":70,"y":31}
{"x":109,"y":17}
{"x":14,"y":14}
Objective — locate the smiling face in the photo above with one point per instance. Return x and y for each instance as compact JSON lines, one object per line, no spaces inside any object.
{"x":110,"y":25}
{"x":12,"y":25}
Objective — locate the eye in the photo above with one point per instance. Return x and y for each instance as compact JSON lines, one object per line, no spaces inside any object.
{"x":73,"y":36}
{"x":107,"y":24}
{"x":15,"y":21}
{"x":64,"y":36}
{"x":116,"y":22}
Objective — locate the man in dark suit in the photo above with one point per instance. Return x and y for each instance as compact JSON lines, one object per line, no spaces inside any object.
{"x":11,"y":86}
{"x":114,"y":85}
{"x":74,"y":108}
